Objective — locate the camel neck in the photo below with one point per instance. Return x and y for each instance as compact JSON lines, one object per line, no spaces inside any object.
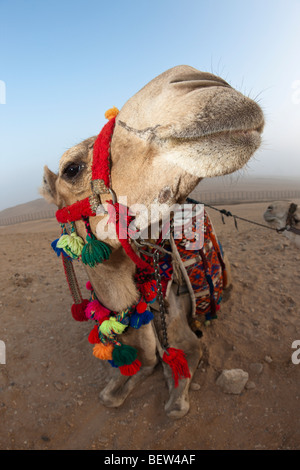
{"x":113,"y":281}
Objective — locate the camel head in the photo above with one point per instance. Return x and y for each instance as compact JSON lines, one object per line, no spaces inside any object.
{"x":183,"y":126}
{"x":277,"y":213}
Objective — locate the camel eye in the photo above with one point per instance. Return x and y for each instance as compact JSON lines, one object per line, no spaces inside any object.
{"x":73,"y":170}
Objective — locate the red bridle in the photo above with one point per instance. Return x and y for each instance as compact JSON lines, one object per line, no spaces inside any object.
{"x":100,"y":183}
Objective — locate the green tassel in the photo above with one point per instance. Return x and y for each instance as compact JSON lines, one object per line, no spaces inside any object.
{"x":124,"y":355}
{"x":94,"y":251}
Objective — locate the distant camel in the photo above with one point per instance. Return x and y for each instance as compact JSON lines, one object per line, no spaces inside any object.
{"x":183,"y":126}
{"x":285,"y":215}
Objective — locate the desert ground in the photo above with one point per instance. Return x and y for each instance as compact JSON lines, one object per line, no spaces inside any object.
{"x":50,"y":383}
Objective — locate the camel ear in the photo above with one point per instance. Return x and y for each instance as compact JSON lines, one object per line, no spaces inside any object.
{"x":48,"y":188}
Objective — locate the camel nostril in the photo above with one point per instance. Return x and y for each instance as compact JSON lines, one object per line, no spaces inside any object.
{"x":198,"y":80}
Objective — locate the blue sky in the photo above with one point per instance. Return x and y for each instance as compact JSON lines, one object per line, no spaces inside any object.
{"x":65,"y":62}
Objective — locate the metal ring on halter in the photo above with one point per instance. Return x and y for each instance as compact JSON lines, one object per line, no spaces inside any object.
{"x":113,"y":195}
{"x":100,"y":208}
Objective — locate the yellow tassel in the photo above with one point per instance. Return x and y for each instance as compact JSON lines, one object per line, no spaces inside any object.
{"x":111,"y":113}
{"x":112,"y":326}
{"x":71,"y":244}
{"x":102,"y":351}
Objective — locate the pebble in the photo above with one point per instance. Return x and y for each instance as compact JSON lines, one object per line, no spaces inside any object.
{"x":268,"y":359}
{"x":232,"y":381}
{"x":256,"y":368}
{"x":195,"y":386}
{"x":58,"y":385}
{"x":250,"y":385}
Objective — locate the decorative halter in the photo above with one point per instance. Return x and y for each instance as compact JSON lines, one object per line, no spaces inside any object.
{"x":109,"y":325}
{"x":291,"y":221}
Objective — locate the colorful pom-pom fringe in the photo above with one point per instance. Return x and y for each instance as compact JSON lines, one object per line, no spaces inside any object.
{"x":96,"y":311}
{"x":94,"y":251}
{"x":130,"y":369}
{"x":71,"y":244}
{"x":103,"y":351}
{"x":124,"y":355}
{"x":78,"y":311}
{"x":139,"y":319}
{"x":111,"y":326}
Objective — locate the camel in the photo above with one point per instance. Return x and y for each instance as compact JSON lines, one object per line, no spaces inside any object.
{"x":277,"y":216}
{"x":183,"y":126}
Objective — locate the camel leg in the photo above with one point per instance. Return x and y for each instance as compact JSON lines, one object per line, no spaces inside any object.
{"x":180,"y":336}
{"x":119,"y":387}
{"x":178,"y":404}
{"x":228,"y":270}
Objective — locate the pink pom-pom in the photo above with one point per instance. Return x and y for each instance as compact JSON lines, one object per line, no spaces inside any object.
{"x":96,"y":311}
{"x":89,"y":286}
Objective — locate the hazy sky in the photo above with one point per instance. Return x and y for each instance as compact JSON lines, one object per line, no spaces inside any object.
{"x":64,"y":63}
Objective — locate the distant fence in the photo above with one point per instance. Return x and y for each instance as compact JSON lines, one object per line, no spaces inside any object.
{"x":27,"y":217}
{"x":228,"y":197}
{"x":237,"y":197}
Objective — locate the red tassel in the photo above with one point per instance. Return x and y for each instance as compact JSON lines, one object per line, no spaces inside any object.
{"x":175,"y":358}
{"x":94,"y":336}
{"x":78,"y":310}
{"x":131,"y":369}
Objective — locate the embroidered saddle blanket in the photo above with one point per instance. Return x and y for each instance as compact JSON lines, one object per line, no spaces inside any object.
{"x":202,"y":269}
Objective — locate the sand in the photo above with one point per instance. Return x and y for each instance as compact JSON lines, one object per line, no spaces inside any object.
{"x":50,"y":383}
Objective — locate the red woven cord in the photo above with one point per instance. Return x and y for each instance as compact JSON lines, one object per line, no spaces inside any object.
{"x":67,"y":264}
{"x":75,"y":211}
{"x":101,"y":160}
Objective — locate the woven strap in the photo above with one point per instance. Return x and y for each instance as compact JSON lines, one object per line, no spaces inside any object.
{"x":72,"y":280}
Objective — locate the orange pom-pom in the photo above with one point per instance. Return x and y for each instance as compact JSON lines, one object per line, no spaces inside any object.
{"x":111,"y":113}
{"x":103,"y":351}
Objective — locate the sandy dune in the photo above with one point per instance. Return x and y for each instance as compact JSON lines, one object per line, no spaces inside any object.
{"x":49,"y":386}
